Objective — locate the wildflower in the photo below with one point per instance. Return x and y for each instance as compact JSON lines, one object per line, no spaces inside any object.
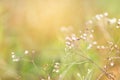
{"x":91,"y":36}
{"x":109,"y":42}
{"x":90,"y":22}
{"x":56,"y":67}
{"x":112,"y":64}
{"x":84,"y":34}
{"x":78,"y":74}
{"x":112,"y":21}
{"x":89,"y":46}
{"x":73,"y":37}
{"x":13,"y":56}
{"x":68,"y":43}
{"x":105,"y":14}
{"x":89,"y":70}
{"x":48,"y":77}
{"x":97,"y":17}
{"x":105,"y":66}
{"x":102,"y":47}
{"x":109,"y":59}
{"x":12,"y":53}
{"x":16,"y":59}
{"x":68,"y":38}
{"x":26,"y":51}
{"x":101,"y":15}
{"x":117,"y":27}
{"x":115,"y":46}
{"x":84,"y":38}
{"x":98,"y":47}
{"x":57,"y":71}
{"x":94,"y":42}
{"x":118,"y":22}
{"x":92,"y":30}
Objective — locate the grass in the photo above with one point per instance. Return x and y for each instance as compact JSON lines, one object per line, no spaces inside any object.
{"x":87,"y":50}
{"x":82,"y":59}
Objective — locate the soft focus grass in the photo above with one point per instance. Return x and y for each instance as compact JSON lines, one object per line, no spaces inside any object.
{"x":35,"y":25}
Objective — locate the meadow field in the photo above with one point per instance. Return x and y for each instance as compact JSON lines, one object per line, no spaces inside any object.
{"x":59,"y":40}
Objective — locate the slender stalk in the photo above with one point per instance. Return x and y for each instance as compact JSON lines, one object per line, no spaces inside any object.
{"x":63,"y":74}
{"x":107,"y":74}
{"x":33,"y":62}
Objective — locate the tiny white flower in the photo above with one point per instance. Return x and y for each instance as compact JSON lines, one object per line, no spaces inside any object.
{"x":112,"y":64}
{"x":84,"y":38}
{"x":56,"y":66}
{"x":111,"y":43}
{"x":81,"y":36}
{"x":90,"y":21}
{"x":105,"y":66}
{"x":78,"y":74}
{"x":74,"y":37}
{"x":92,"y":30}
{"x":48,"y":77}
{"x":109,"y":59}
{"x":98,"y":47}
{"x":84,"y":34}
{"x":112,"y":21}
{"x":12,"y":53}
{"x":101,"y":15}
{"x":57,"y":63}
{"x":89,"y":46}
{"x":115,"y":46}
{"x":54,"y":70}
{"x":57,"y":71}
{"x":103,"y":47}
{"x":80,"y":31}
{"x":16,"y":60}
{"x":13,"y":56}
{"x":97,"y":17}
{"x":26,"y":51}
{"x":68,"y":38}
{"x":117,"y":27}
{"x":91,"y":36}
{"x":89,"y":70}
{"x":105,"y":14}
{"x":94,"y":42}
{"x":118,"y":22}
{"x":68,"y":43}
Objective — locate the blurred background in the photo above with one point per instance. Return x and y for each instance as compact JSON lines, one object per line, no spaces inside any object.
{"x":35,"y":25}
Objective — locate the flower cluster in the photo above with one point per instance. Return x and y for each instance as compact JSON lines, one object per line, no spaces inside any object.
{"x":14,"y":57}
{"x":108,"y":47}
{"x":56,"y":67}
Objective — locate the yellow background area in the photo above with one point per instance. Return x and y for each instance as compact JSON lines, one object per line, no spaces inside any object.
{"x":38,"y":21}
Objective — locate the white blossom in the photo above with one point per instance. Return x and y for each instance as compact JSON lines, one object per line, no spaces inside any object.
{"x":26,"y":51}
